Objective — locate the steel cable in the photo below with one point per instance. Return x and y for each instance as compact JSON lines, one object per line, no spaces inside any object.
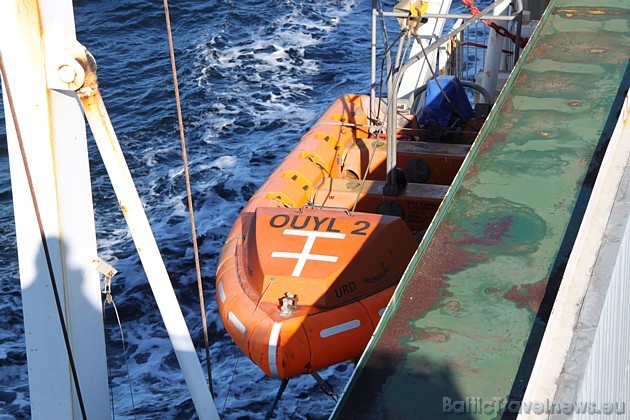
{"x":189,"y":195}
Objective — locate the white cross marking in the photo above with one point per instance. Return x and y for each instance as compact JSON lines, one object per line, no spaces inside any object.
{"x":305,"y":255}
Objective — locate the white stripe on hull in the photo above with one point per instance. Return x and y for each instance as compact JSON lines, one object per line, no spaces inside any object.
{"x":222,"y":295}
{"x":273,"y":348}
{"x":237,"y":322}
{"x":338,"y":329}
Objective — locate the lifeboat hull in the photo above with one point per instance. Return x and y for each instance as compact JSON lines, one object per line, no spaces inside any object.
{"x":335,"y":271}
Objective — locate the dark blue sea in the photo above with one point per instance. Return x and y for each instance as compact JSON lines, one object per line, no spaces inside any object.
{"x":253,"y":76}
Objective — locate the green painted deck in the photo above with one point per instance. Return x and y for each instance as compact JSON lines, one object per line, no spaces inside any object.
{"x":467,"y":319}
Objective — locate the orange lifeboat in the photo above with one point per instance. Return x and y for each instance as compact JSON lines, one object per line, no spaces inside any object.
{"x":313,"y":259}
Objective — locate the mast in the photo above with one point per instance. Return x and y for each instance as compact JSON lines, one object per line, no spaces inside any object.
{"x":52,"y":128}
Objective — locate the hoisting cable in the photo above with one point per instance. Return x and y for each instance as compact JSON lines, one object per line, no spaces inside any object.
{"x":386,"y":54}
{"x":378,"y":111}
{"x":283,"y":386}
{"x":325,"y":386}
{"x":390,"y":72}
{"x":189,"y":195}
{"x":42,"y":234}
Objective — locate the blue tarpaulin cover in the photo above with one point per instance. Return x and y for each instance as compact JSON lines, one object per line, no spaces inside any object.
{"x":436,"y":108}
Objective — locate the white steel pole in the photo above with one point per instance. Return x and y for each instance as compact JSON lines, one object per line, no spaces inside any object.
{"x":494,"y":52}
{"x":53,"y":132}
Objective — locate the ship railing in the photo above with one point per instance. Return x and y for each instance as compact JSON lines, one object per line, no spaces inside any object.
{"x":394,"y":72}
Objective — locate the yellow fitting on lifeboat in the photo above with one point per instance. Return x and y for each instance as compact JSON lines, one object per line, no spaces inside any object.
{"x":415,"y":9}
{"x":418,"y":10}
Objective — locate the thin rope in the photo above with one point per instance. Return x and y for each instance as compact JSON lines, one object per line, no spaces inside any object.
{"x":202,"y":305}
{"x":124,"y":348}
{"x":42,"y":234}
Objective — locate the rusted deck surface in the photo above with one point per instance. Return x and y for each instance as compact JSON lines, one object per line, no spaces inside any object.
{"x":468,"y":316}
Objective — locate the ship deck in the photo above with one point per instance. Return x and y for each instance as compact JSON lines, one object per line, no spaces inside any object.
{"x":466,"y":321}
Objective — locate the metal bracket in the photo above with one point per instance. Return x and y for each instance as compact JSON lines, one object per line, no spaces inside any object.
{"x":63,"y":71}
{"x":108,"y":273}
{"x":289,"y":304}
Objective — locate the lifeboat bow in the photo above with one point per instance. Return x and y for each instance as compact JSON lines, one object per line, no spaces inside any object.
{"x":306,"y":287}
